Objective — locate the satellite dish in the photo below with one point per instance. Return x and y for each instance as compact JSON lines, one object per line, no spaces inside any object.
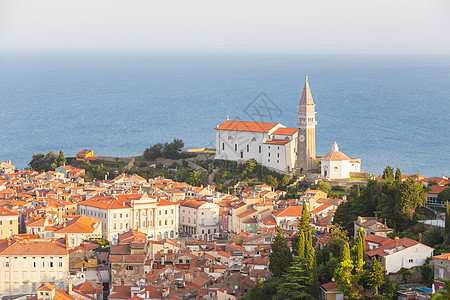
{"x":236,"y":287}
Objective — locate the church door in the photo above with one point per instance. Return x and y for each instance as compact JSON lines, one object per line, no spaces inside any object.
{"x":242,"y":154}
{"x":325,"y":173}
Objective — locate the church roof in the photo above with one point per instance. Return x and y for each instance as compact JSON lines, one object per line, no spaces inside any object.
{"x":335,"y":154}
{"x":306,"y":98}
{"x":285,"y":131}
{"x":247,"y":126}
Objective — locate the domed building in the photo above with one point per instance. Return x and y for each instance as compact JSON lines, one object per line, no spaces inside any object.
{"x":337,"y":165}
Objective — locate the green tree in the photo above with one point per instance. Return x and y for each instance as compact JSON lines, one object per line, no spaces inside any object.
{"x":304,"y":225}
{"x":280,"y":257}
{"x":298,"y":244}
{"x":257,"y":292}
{"x":294,"y":281}
{"x":447,"y":223}
{"x":324,"y":186}
{"x":376,"y":276}
{"x":195,"y":179}
{"x":388,"y":174}
{"x":272,"y":181}
{"x":61,"y":160}
{"x":361,"y":250}
{"x":444,"y":196}
{"x":344,"y":277}
{"x":398,"y":176}
{"x":284,"y":181}
{"x":412,"y":196}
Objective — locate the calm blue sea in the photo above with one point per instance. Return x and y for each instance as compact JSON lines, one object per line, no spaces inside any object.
{"x":387,"y":110}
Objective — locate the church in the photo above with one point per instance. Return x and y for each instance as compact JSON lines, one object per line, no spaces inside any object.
{"x":272,"y":144}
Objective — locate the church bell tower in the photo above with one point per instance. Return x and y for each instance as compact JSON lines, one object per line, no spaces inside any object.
{"x":306,"y":123}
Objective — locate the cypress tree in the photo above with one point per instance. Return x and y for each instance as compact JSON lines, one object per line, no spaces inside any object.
{"x":294,"y":285}
{"x":257,"y":292}
{"x":301,"y":244}
{"x":361,"y":250}
{"x":304,"y":220}
{"x":280,"y":258}
{"x":447,"y":224}
{"x":398,"y":176}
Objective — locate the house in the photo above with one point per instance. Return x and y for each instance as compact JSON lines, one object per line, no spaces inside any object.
{"x":290,"y":213}
{"x":371,"y":226}
{"x":200,"y":219}
{"x":432,"y":195}
{"x":375,"y":241}
{"x":401,"y":253}
{"x":441,"y":266}
{"x":9,"y":222}
{"x":329,"y":291}
{"x":79,"y":229}
{"x":85,"y":154}
{"x":29,"y":263}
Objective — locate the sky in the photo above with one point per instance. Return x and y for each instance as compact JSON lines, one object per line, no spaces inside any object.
{"x":400,"y":26}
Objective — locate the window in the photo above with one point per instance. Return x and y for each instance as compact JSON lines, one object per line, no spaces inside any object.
{"x":248,"y":148}
{"x":269,"y":154}
{"x":235,"y":147}
{"x":50,"y":264}
{"x":159,"y":222}
{"x":165,"y":222}
{"x":114,"y":226}
{"x":410,"y":260}
{"x":223,"y":146}
{"x":259,"y":149}
{"x":268,"y":160}
{"x":120,"y":215}
{"x":278,"y":154}
{"x":34,"y":264}
{"x":115,"y":216}
{"x":7,"y":264}
{"x":165,"y":212}
{"x":10,"y":222}
{"x":130,"y":268}
{"x":60,"y":264}
{"x":253,"y":139}
{"x":171,"y":211}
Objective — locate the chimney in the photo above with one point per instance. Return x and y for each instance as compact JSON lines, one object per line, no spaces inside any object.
{"x":70,"y":286}
{"x":385,"y":225}
{"x":9,"y":242}
{"x":396,"y":241}
{"x":420,"y":238}
{"x":67,"y":239}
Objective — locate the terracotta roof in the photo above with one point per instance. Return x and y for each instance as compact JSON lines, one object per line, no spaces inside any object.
{"x":105,"y":202}
{"x":192,"y":203}
{"x":436,"y":189}
{"x":35,"y":247}
{"x":378,"y":239}
{"x":405,"y":242}
{"x":247,"y":126}
{"x":330,"y":286}
{"x":335,"y":155}
{"x":278,"y":142}
{"x":7,"y":212}
{"x":285,"y":131}
{"x":445,"y":256}
{"x":291,"y":211}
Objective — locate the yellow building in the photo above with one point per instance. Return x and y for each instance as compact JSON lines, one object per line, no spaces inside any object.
{"x":9,"y":222}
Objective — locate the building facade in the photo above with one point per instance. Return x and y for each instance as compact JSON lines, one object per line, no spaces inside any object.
{"x":28,"y":264}
{"x":200,"y":219}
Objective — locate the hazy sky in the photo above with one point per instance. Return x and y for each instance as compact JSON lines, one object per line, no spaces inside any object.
{"x":418,"y":26}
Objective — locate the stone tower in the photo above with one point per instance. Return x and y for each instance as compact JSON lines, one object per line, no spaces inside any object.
{"x":306,"y":150}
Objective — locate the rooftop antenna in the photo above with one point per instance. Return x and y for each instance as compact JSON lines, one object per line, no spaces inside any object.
{"x":228,"y":118}
{"x":306,"y":78}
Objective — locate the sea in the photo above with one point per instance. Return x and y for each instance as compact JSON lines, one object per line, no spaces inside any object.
{"x":385,"y":109}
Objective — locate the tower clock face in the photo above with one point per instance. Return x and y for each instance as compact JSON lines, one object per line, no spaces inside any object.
{"x":302,"y":138}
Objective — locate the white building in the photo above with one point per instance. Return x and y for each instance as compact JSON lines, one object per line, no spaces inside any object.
{"x":27,"y":264}
{"x":401,"y":253}
{"x":270,"y":144}
{"x":200,"y":219}
{"x":337,"y":165}
{"x":157,"y":218}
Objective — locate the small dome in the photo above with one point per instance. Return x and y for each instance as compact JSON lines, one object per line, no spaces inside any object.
{"x":335,"y":154}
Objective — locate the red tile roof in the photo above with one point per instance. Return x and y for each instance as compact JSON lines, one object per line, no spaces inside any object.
{"x":247,"y":126}
{"x":285,"y":131}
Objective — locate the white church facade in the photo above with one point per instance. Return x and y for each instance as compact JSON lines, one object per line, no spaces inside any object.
{"x":270,"y":144}
{"x":276,"y":146}
{"x":337,"y":165}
